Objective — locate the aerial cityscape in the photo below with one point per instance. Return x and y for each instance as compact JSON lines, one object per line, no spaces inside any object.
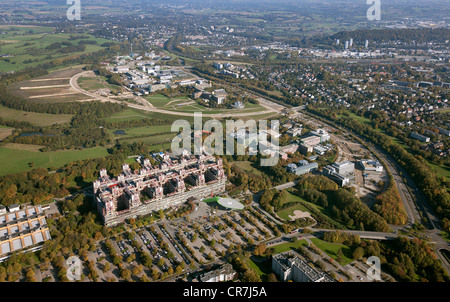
{"x":181,"y":141}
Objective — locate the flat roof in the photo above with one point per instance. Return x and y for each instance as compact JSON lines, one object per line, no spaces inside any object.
{"x":230,"y":203}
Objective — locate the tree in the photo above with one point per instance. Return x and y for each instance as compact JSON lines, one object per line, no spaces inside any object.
{"x":358,"y":253}
{"x":272,"y":278}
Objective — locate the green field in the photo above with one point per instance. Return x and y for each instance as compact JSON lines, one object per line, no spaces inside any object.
{"x":18,"y":160}
{"x":284,"y":247}
{"x":185,"y":104}
{"x":332,"y":250}
{"x":247,"y":166}
{"x":212,"y":199}
{"x":95,"y":83}
{"x":135,"y":114}
{"x":143,"y":131}
{"x":39,"y":119}
{"x":27,"y":46}
{"x":291,"y":198}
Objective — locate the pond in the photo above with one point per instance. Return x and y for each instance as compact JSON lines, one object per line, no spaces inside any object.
{"x":120,"y":132}
{"x":35,"y":133}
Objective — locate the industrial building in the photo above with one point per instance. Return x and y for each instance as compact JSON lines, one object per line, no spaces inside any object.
{"x":172,"y":181}
{"x":22,"y":229}
{"x":290,"y":266}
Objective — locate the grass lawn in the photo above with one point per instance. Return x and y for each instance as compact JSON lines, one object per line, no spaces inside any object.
{"x":247,"y":166}
{"x":290,"y":211}
{"x":441,"y":170}
{"x":261,"y":265}
{"x":18,"y":160}
{"x":291,"y":198}
{"x":140,"y":131}
{"x":332,"y":250}
{"x":135,"y":114}
{"x":284,"y":247}
{"x":165,"y":139}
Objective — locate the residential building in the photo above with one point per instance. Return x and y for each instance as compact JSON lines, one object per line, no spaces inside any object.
{"x":419,"y":137}
{"x":171,"y":182}
{"x":444,"y":131}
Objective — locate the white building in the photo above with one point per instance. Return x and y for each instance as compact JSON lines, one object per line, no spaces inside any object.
{"x":344,"y":168}
{"x":371,"y":165}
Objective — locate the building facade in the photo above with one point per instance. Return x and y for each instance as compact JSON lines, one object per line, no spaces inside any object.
{"x":290,"y":266}
{"x":172,"y":182}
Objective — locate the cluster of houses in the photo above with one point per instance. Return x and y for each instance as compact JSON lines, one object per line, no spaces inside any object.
{"x":235,"y":71}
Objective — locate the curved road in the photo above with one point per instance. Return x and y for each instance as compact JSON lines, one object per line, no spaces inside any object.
{"x":146,"y":106}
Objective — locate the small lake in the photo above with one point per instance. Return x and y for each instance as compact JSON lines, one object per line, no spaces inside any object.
{"x":35,"y":133}
{"x":119,"y":132}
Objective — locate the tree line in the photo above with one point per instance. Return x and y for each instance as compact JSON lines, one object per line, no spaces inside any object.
{"x":434,"y":190}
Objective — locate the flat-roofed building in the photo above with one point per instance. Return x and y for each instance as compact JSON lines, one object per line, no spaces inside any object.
{"x":169,"y":183}
{"x":294,"y":131}
{"x":339,"y":179}
{"x":420,"y":137}
{"x":444,"y":131}
{"x":371,"y":165}
{"x":304,"y":149}
{"x":324,"y":135}
{"x":302,"y":168}
{"x":290,"y":266}
{"x":344,"y":168}
{"x":224,"y":273}
{"x":320,"y":150}
{"x":312,"y":140}
{"x":22,"y":229}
